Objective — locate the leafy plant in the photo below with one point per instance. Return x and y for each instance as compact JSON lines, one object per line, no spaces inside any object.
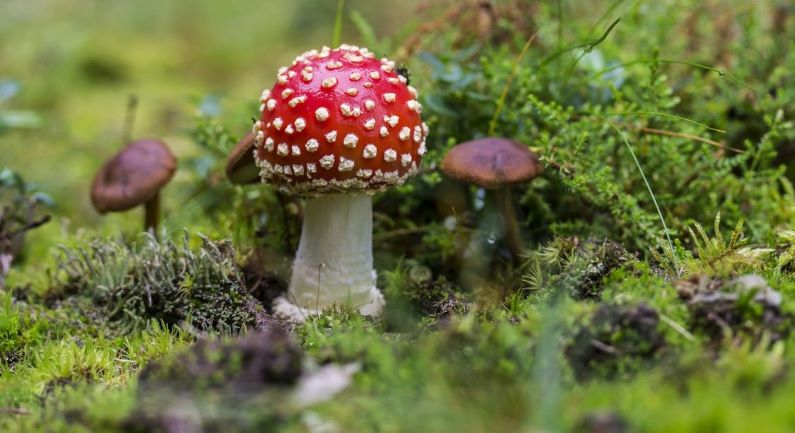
{"x":718,"y":256}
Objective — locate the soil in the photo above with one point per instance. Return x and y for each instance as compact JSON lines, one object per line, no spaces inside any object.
{"x":613,"y":339}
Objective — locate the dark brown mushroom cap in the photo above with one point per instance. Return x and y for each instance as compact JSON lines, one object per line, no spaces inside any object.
{"x":491,"y":162}
{"x":241,"y":168}
{"x":133,"y":176}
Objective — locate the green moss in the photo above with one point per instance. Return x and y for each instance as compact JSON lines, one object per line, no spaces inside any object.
{"x":127,"y":285}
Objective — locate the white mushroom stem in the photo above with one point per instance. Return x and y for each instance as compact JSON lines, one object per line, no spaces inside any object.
{"x":334,"y":262}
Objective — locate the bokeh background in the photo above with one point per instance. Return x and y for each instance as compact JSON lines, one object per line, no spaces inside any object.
{"x":69,"y":67}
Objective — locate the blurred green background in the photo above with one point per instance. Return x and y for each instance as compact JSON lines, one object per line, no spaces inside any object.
{"x":68,"y":67}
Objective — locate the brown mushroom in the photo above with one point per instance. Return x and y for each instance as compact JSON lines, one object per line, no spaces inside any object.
{"x":241,"y":168}
{"x":134,"y":176}
{"x":495,"y":163}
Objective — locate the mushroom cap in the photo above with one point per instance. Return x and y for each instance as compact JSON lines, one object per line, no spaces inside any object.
{"x":241,"y":168}
{"x":491,"y":162}
{"x":133,"y":176}
{"x":339,"y":121}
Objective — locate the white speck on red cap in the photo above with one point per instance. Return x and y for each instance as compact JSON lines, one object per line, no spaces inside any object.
{"x":327,"y":161}
{"x":312,"y":145}
{"x":321,"y":114}
{"x":297,"y":100}
{"x":390,"y":155}
{"x":345,"y":164}
{"x":331,"y":137}
{"x":329,"y":82}
{"x":350,"y":141}
{"x":405,"y":133}
{"x":370,"y":151}
{"x":282,"y":149}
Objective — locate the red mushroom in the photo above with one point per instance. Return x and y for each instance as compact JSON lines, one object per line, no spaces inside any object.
{"x":338,"y":126}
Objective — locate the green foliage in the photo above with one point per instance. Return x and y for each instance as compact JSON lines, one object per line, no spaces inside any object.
{"x":124,"y":285}
{"x":678,"y":112}
{"x":720,"y":257}
{"x":14,"y":119}
{"x":572,"y":266}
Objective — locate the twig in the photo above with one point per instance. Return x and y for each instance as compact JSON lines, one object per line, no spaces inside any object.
{"x":677,"y":327}
{"x":14,"y":411}
{"x":399,"y":232}
{"x":690,"y":137}
{"x":29,"y":226}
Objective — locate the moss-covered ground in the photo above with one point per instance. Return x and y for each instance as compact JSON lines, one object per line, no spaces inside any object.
{"x":656,"y":292}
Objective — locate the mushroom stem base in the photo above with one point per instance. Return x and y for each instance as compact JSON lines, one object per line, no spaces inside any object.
{"x":286,"y":310}
{"x":334,"y":261}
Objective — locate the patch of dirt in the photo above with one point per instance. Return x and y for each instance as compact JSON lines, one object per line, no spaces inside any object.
{"x":602,"y":422}
{"x":744,"y":307}
{"x":249,"y":363}
{"x":218,"y":386}
{"x":260,"y":281}
{"x":424,"y":297}
{"x":615,"y":340}
{"x":603,"y":258}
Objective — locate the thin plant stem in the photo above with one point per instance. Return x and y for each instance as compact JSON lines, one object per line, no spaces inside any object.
{"x":129,"y":120}
{"x":508,"y":82}
{"x":690,"y":137}
{"x":663,"y":114}
{"x":337,"y":37}
{"x":590,"y":46}
{"x":721,"y":72}
{"x":651,"y":193}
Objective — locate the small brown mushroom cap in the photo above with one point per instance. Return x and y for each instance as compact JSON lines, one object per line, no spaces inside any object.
{"x":241,"y":168}
{"x":491,"y":162}
{"x":133,"y":176}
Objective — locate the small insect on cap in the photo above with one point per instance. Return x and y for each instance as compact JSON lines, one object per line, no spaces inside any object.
{"x":133,"y":176}
{"x":338,"y":121}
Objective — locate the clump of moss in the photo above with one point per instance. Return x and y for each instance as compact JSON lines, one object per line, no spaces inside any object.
{"x":602,"y":422}
{"x":574,"y":266}
{"x":240,"y":366}
{"x":217,"y":386}
{"x":125,"y":286}
{"x":745,"y":307}
{"x":413,"y":292}
{"x":615,"y":340}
